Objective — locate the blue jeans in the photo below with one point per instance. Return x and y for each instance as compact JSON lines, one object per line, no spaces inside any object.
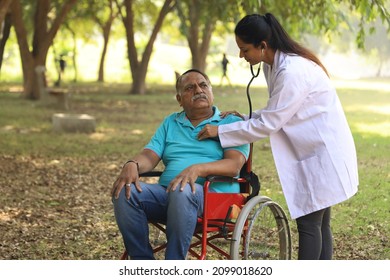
{"x":178,"y":210}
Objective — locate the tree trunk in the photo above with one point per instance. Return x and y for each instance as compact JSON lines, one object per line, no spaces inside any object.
{"x":4,"y":6}
{"x":379,"y":70}
{"x":139,"y":68}
{"x":139,"y":81}
{"x":106,"y":28}
{"x":42,"y":40}
{"x":4,"y":37}
{"x":106,"y":37}
{"x":199,"y":49}
{"x":26,"y":56}
{"x":139,"y":85}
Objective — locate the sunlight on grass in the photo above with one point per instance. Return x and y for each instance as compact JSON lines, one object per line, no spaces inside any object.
{"x":97,"y":136}
{"x":137,"y":132}
{"x":4,"y":217}
{"x":381,"y":129}
{"x":376,"y":109}
{"x":361,"y":84}
{"x":372,"y":125}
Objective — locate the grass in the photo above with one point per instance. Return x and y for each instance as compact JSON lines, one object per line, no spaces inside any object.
{"x":55,"y":186}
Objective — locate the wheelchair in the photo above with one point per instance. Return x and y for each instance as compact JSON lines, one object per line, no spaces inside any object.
{"x":235,"y":226}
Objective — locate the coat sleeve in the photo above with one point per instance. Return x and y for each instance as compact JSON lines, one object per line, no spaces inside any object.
{"x":289,"y":90}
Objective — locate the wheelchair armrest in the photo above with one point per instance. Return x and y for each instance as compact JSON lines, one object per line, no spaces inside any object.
{"x":217,"y":178}
{"x":211,"y":178}
{"x":151,"y":174}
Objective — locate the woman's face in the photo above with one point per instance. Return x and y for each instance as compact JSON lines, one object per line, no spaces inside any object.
{"x":251,"y":53}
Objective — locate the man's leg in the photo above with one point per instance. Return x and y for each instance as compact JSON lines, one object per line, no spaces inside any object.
{"x":184,"y":207}
{"x":132,"y":217}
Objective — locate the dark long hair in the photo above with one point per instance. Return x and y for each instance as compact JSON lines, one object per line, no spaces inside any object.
{"x":255,"y":28}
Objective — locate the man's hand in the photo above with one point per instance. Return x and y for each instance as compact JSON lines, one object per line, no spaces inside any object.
{"x":128,"y":175}
{"x":209,"y":131}
{"x":187,"y":176}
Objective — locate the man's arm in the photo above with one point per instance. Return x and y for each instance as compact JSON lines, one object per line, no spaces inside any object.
{"x":230,"y":165}
{"x":146,"y":161}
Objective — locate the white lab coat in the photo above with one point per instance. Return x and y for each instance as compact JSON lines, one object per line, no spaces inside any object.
{"x":311,"y":142}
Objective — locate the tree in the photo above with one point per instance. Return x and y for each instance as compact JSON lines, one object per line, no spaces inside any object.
{"x":103,"y":14}
{"x":139,"y":66}
{"x":198,"y":20}
{"x":78,"y":26}
{"x":47,"y":19}
{"x":378,"y":44}
{"x":199,"y":17}
{"x":4,"y":5}
{"x":324,"y":17}
{"x":5,"y":26}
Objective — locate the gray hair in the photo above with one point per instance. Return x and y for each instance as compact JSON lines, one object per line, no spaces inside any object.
{"x":178,"y":81}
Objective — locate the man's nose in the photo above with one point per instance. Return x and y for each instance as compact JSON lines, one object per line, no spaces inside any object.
{"x":198,"y":88}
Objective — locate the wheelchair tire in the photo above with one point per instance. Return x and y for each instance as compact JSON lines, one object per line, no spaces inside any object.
{"x":261,"y":232}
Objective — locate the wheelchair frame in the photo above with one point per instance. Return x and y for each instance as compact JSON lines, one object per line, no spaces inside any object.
{"x":256,"y":228}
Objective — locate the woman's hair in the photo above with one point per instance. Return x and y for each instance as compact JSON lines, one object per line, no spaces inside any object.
{"x":253,"y":29}
{"x":178,"y":81}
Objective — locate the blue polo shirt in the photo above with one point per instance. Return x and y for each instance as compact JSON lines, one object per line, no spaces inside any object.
{"x":177,"y":144}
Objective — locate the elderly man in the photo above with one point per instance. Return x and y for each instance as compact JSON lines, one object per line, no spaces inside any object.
{"x":177,"y":200}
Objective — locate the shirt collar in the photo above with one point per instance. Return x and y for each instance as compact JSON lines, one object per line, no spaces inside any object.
{"x":182,"y":118}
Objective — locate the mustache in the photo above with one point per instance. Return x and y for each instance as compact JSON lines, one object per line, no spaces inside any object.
{"x":200,"y":95}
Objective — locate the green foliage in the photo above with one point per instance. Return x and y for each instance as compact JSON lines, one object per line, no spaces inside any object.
{"x":213,"y":11}
{"x":146,"y":13}
{"x":368,"y":12}
{"x":324,"y":17}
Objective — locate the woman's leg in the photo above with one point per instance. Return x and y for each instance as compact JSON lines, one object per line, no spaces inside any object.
{"x":327,"y":237}
{"x":184,"y":207}
{"x":315,"y":237}
{"x":132,"y":217}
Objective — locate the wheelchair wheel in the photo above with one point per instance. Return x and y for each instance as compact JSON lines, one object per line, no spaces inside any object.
{"x":261,"y":232}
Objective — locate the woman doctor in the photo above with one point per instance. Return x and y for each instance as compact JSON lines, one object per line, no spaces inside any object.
{"x":311,"y":142}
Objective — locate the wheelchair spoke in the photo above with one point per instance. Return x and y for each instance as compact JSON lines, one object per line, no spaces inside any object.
{"x":265,"y":234}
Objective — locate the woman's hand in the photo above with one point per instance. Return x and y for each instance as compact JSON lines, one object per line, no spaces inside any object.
{"x":224,"y":114}
{"x":209,"y":131}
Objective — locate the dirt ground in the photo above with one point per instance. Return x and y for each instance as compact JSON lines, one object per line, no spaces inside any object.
{"x":57,"y":209}
{"x":61,"y":209}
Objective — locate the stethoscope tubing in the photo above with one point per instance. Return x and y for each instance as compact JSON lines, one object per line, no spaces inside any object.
{"x":254,"y":75}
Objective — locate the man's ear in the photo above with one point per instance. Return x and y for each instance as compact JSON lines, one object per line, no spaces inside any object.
{"x":178,"y":98}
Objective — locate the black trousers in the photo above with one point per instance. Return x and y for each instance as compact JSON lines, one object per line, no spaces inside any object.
{"x":315,"y":236}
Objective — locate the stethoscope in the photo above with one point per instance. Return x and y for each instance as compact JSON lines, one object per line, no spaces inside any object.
{"x":254,"y":75}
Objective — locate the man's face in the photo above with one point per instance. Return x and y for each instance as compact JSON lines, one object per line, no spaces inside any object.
{"x":195,"y":92}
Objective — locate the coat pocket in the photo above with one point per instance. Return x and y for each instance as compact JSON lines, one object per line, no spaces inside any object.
{"x":313,"y":182}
